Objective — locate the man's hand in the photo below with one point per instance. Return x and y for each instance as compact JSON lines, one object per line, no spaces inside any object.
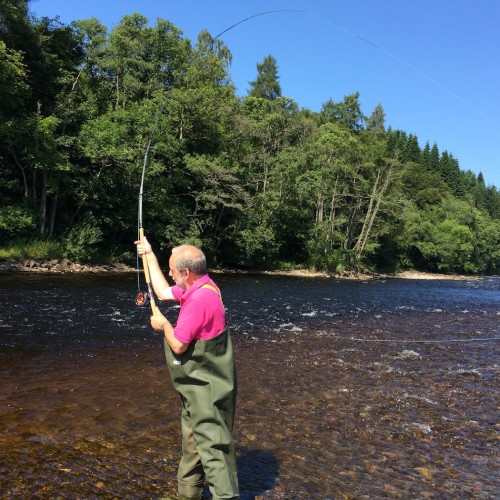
{"x":158,"y":320}
{"x":143,"y":248}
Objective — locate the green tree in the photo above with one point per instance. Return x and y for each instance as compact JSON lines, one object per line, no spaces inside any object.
{"x":450,"y":171}
{"x":267,"y":84}
{"x":426,"y":157}
{"x":486,"y":255}
{"x":348,"y":112}
{"x":13,"y":82}
{"x":272,"y":130}
{"x":385,"y":173}
{"x":123,"y":84}
{"x":412,"y":152}
{"x":13,"y":92}
{"x":30,"y":136}
{"x":375,"y":123}
{"x":442,"y":238}
{"x":454,"y":245}
{"x":492,"y":202}
{"x":331,"y":171}
{"x":423,"y":186}
{"x":435,"y":158}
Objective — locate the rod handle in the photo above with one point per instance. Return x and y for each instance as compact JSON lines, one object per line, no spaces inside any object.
{"x":145,"y":265}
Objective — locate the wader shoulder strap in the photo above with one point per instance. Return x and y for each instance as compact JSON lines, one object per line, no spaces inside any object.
{"x":210,"y":287}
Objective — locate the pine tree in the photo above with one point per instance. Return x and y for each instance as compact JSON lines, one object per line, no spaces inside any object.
{"x":426,"y":157}
{"x":266,"y":85}
{"x":348,"y":112}
{"x":375,"y":123}
{"x":450,"y":172}
{"x":412,"y":150}
{"x":434,"y":158}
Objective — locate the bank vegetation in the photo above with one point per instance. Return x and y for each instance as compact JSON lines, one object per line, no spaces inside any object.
{"x":258,"y":181}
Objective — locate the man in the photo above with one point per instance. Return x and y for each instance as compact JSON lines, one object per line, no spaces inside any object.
{"x":200,"y":361}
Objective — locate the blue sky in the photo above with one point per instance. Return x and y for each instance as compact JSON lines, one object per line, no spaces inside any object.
{"x":434,"y":65}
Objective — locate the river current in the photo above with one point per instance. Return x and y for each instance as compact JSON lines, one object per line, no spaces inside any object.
{"x":347,"y":389}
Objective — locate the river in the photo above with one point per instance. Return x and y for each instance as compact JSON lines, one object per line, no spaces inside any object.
{"x":347,"y":389}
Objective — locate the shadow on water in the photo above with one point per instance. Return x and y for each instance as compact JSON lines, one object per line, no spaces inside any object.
{"x":258,"y":472}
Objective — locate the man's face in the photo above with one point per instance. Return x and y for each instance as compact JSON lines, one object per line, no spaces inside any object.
{"x":178,"y":276}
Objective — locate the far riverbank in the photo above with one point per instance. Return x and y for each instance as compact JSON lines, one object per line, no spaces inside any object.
{"x":66,"y":266}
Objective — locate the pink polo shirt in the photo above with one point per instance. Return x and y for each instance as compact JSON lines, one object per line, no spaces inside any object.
{"x":202,"y":314}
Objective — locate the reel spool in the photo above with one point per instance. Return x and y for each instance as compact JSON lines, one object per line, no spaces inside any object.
{"x":142,"y":299}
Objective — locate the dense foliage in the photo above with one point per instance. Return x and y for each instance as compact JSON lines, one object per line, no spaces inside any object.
{"x":257,"y":181}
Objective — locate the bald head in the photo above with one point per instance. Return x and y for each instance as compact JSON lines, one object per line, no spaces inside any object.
{"x":190,"y":257}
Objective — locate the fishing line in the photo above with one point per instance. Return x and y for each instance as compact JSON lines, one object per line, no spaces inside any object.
{"x":146,"y":298}
{"x":143,"y":299}
{"x":408,"y":65}
{"x":422,"y":341}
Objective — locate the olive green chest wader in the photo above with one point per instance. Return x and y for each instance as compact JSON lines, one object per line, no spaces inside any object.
{"x":205,"y":378}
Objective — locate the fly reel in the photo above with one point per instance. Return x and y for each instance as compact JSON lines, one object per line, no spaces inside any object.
{"x":142,"y":299}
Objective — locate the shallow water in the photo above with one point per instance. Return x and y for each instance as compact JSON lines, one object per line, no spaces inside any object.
{"x":383,"y":389}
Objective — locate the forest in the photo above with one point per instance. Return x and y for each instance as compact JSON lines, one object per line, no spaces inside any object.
{"x":259,"y":182}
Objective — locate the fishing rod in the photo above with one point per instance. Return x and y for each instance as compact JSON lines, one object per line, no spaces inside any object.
{"x":146,"y":298}
{"x":143,"y":299}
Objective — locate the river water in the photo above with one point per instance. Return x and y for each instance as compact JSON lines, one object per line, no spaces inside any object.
{"x":378,"y":389}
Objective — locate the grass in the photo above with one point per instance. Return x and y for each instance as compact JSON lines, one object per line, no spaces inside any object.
{"x":56,"y":250}
{"x":36,"y":249}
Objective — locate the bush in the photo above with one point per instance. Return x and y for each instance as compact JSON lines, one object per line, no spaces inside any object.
{"x":34,"y":249}
{"x":82,"y":243}
{"x":15,"y":220}
{"x":336,"y":261}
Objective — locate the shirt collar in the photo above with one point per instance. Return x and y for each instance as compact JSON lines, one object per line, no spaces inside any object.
{"x":195,"y":286}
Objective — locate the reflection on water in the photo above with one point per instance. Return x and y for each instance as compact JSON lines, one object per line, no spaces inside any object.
{"x":327,"y":407}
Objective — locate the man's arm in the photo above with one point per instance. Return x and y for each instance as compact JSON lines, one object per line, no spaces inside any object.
{"x":159,"y":323}
{"x":160,"y":284}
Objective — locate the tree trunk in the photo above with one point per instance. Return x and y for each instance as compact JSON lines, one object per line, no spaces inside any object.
{"x":43,"y":204}
{"x":373,"y":208}
{"x":331,"y":215}
{"x":363,"y":235}
{"x":117,"y":104}
{"x":23,"y":173}
{"x":34,"y":190}
{"x":53,"y":208}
